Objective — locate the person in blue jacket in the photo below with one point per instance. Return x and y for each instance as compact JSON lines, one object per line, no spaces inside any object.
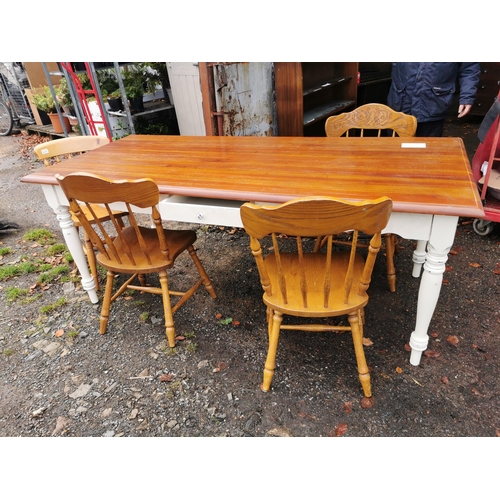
{"x":425,"y":90}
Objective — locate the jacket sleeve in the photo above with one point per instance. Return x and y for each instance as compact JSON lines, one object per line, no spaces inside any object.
{"x":468,"y":79}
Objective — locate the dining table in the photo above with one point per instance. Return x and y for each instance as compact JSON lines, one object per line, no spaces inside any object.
{"x":205,"y":180}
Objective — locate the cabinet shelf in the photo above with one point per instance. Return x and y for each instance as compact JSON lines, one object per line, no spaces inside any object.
{"x":307,"y":93}
{"x":326,"y":85}
{"x":313,"y":115}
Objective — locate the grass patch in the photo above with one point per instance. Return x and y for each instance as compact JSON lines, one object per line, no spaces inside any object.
{"x":52,"y":274}
{"x":57,"y":249}
{"x":144,"y":317}
{"x":191,"y":347}
{"x":51,"y":307}
{"x":41,"y":236}
{"x":12,"y":271}
{"x":8,"y":352}
{"x":72,"y":334}
{"x":5,"y":251}
{"x":32,"y":298}
{"x":13,"y":293}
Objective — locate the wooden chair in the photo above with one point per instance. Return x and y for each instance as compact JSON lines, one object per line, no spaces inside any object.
{"x":315,"y":284}
{"x":371,"y":117}
{"x":375,"y":117}
{"x":60,"y":149}
{"x":135,"y":250}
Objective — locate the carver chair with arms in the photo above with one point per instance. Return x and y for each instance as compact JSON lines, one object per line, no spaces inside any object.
{"x":134,"y":250}
{"x":375,"y":117}
{"x":59,"y":149}
{"x":323,"y":284}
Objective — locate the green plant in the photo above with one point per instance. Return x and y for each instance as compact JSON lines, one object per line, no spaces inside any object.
{"x":134,"y":80}
{"x":32,"y":298}
{"x":72,"y":334}
{"x":116,"y":94}
{"x":144,"y":316}
{"x":41,"y":236}
{"x":7,"y":272}
{"x":160,"y":73}
{"x":44,"y":101}
{"x":146,"y":127}
{"x":107,"y":83}
{"x":51,"y":307}
{"x":57,"y":248}
{"x":85,"y":81}
{"x":13,"y":293}
{"x":191,"y":347}
{"x":8,"y":352}
{"x":62,"y":94}
{"x":5,"y":251}
{"x":52,"y":274}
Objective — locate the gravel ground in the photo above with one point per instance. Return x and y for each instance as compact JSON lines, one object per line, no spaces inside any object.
{"x":60,"y":377}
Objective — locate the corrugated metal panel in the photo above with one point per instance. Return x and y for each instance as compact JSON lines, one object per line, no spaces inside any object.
{"x":244,"y":93}
{"x":186,"y":91}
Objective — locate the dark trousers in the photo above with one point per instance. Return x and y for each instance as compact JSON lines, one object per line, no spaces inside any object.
{"x":430,"y":129}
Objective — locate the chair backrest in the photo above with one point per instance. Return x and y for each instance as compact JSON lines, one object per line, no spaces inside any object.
{"x":311,"y":217}
{"x":128,"y":245}
{"x":68,"y":147}
{"x":371,"y":117}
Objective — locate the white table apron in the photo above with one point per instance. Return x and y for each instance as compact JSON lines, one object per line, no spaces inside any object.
{"x":434,"y":234}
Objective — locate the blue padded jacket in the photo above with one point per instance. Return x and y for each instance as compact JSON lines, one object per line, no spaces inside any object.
{"x":425,"y":90}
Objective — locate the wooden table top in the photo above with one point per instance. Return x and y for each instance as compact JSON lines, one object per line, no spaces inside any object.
{"x":436,"y":179}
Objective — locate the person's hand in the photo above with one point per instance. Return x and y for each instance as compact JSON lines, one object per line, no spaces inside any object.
{"x":463,"y":109}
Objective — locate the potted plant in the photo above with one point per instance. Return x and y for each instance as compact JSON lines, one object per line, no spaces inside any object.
{"x":44,"y":101}
{"x":160,"y":76}
{"x":134,"y":81}
{"x":64,"y":97}
{"x":115,"y":100}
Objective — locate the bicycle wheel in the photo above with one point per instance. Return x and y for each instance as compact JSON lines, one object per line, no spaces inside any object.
{"x":6,"y":120}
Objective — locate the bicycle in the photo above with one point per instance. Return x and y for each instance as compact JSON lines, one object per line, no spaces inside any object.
{"x":14,"y":107}
{"x":6,"y":120}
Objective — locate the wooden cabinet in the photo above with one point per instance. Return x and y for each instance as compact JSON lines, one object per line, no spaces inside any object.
{"x":307,"y":93}
{"x":487,"y":90}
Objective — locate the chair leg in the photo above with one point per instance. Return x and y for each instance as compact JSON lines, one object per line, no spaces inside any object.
{"x":270,"y":365}
{"x":391,"y":270}
{"x":202,"y":272}
{"x":106,"y":302}
{"x":357,"y":338}
{"x":396,"y":243}
{"x":89,"y":250}
{"x":167,"y":309}
{"x":269,"y":320}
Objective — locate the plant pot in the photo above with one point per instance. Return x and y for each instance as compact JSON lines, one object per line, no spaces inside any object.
{"x":56,"y":123}
{"x":136,"y":105}
{"x":115,"y":103}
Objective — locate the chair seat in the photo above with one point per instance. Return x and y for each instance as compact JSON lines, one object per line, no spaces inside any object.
{"x":314,"y":267}
{"x":178,"y":241}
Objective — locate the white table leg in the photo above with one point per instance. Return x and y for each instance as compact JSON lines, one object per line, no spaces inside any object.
{"x":419,"y":258}
{"x":74,"y":245}
{"x":440,"y":243}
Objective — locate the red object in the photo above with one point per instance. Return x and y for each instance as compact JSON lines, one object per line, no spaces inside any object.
{"x":489,"y":151}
